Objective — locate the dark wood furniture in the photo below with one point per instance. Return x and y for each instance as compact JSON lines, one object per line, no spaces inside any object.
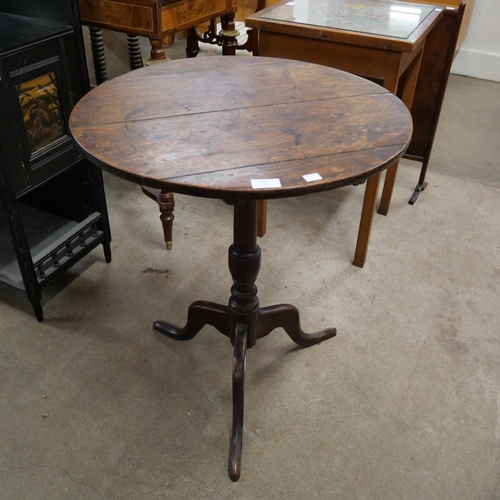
{"x":227,"y":128}
{"x":54,"y":208}
{"x":414,"y":65}
{"x":440,"y":48}
{"x":156,"y":20}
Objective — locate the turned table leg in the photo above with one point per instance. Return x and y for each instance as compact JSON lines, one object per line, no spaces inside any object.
{"x":98,"y":55}
{"x":166,"y":204}
{"x":228,"y":33}
{"x":134,"y":52}
{"x":157,"y":52}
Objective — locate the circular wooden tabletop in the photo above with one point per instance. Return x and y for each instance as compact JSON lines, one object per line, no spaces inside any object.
{"x":210,"y":126}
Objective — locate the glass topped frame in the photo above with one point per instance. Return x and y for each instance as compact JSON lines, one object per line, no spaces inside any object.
{"x":376,"y":18}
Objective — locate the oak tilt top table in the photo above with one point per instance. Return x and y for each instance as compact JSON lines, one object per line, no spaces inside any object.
{"x":241,"y":129}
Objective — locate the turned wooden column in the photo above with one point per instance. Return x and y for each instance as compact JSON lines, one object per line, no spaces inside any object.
{"x":244,"y":264}
{"x":166,"y":204}
{"x":157,"y":52}
{"x":229,"y":33}
{"x":98,"y":55}
{"x":134,"y":52}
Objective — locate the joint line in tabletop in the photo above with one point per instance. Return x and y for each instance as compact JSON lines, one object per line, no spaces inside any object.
{"x":199,"y":113}
{"x":187,"y":174}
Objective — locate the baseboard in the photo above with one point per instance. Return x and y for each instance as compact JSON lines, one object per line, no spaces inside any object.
{"x":477,"y":64}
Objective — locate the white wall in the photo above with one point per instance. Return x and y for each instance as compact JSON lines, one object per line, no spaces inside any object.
{"x":479,"y":55}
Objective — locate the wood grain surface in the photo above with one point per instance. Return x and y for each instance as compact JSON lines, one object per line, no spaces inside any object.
{"x":344,"y":36}
{"x":208,"y":127}
{"x":155,"y":19}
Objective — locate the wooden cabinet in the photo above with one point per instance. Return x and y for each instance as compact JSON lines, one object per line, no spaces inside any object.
{"x":154,"y":19}
{"x":54,"y":207}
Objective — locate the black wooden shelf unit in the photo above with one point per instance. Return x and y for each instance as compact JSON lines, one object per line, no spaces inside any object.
{"x":54,"y":206}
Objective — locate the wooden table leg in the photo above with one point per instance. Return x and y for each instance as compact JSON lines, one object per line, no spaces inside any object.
{"x":390,"y":180}
{"x":157,"y":52}
{"x":166,"y":204}
{"x":229,"y":33}
{"x":410,"y":82}
{"x":98,"y":55}
{"x":192,"y":43}
{"x":365,"y":224}
{"x":261,"y":218}
{"x":422,"y":183}
{"x":437,"y":59}
{"x":134,"y":52}
{"x":239,"y":366}
{"x":242,"y":319}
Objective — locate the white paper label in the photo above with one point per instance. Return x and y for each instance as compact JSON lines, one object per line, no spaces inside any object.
{"x":312,"y":177}
{"x":265,"y":183}
{"x":290,"y":3}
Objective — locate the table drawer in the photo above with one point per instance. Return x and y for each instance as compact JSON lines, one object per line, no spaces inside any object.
{"x":187,"y":13}
{"x":137,"y":17}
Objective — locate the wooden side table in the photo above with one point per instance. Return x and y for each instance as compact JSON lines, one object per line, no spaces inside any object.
{"x":382,"y":41}
{"x":270,"y":125}
{"x":248,"y":7}
{"x":154,"y":19}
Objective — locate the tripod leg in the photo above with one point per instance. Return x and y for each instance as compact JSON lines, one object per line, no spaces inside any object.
{"x":200,"y":313}
{"x":239,"y":364}
{"x":287,"y":317}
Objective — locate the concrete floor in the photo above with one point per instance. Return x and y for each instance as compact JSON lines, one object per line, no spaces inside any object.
{"x":403,"y":404}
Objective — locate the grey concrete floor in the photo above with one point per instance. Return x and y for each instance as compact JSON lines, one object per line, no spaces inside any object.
{"x":403,"y":404}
